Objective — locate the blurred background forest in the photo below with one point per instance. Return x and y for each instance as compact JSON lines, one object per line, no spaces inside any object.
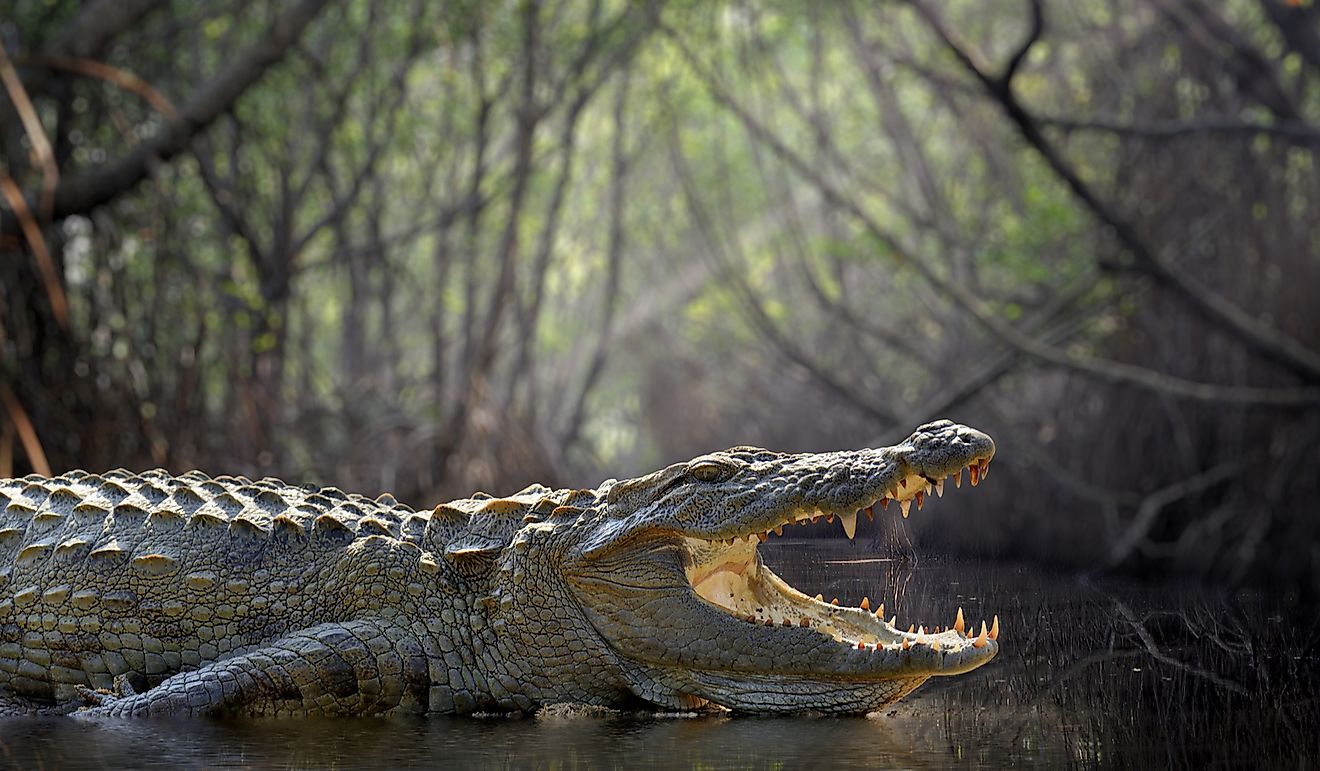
{"x":432,"y":248}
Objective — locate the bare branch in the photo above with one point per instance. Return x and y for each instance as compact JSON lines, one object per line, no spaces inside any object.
{"x":113,"y":75}
{"x":1172,"y":130}
{"x":1103,"y":370}
{"x":82,"y":193}
{"x":26,"y":433}
{"x":1153,"y":504}
{"x":59,"y":304}
{"x":18,"y":95}
{"x":786,"y":346}
{"x":1033,"y":34}
{"x":1258,"y":336}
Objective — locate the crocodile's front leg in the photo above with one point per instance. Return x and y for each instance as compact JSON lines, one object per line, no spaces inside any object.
{"x":350,"y":668}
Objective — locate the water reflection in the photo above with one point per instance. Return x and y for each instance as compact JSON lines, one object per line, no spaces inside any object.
{"x":1092,"y":674}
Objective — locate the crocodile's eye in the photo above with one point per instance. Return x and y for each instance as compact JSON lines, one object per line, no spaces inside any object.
{"x":710,"y":470}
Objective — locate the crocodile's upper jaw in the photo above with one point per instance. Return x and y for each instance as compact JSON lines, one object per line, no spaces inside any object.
{"x":689,"y":603}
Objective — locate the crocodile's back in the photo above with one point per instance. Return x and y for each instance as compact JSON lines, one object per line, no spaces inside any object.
{"x":146,"y":575}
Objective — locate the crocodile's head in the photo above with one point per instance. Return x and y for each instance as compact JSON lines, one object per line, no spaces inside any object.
{"x":665,"y":571}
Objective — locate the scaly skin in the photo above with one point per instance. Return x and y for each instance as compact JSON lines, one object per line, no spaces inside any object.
{"x":147,"y":594}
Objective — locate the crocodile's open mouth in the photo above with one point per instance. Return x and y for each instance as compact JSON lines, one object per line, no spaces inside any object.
{"x":728,"y":574}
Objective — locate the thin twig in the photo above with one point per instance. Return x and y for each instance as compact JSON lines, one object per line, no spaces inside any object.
{"x":59,"y":305}
{"x":26,"y":433}
{"x":50,"y":173}
{"x":102,"y":71}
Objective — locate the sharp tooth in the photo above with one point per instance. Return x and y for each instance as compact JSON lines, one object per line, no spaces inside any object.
{"x":975,"y":472}
{"x":815,"y":519}
{"x":762,"y":536}
{"x":849,"y":524}
{"x":980,"y":638}
{"x":803,"y":622}
{"x":939,"y":488}
{"x":820,"y":598}
{"x":870,"y":513}
{"x":985,"y":468}
{"x":779,"y":529}
{"x":921,"y":630}
{"x":958,"y":623}
{"x":861,"y":646}
{"x":994,"y":628}
{"x":866,"y":603}
{"x":912,"y":628}
{"x":921,"y":499}
{"x":769,"y":622}
{"x":903,"y":483}
{"x":957,"y":478}
{"x":934,"y":645}
{"x":907,"y":644}
{"x":880,"y":611}
{"x":835,"y":602}
{"x":787,"y":622}
{"x":905,"y":505}
{"x":829,"y":518}
{"x":892,"y":619}
{"x":884,"y":503}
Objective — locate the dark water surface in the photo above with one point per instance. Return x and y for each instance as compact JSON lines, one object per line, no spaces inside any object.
{"x":1094,"y":673}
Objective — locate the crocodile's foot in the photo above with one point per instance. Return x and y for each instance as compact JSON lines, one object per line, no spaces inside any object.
{"x":100,"y":702}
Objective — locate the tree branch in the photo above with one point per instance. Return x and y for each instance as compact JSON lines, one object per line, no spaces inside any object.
{"x":82,"y":193}
{"x":1259,"y":337}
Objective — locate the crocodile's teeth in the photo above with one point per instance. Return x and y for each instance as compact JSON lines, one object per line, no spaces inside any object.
{"x":779,"y":529}
{"x":762,"y":536}
{"x":884,"y":503}
{"x":849,"y":524}
{"x":880,"y":612}
{"x":975,"y":472}
{"x":921,"y":499}
{"x":980,"y":638}
{"x":835,"y":602}
{"x":905,"y":505}
{"x":985,"y":468}
{"x":957,"y":478}
{"x":903,"y":483}
{"x":866,"y":603}
{"x":820,"y":598}
{"x":994,"y":628}
{"x":892,"y":619}
{"x":959,"y":624}
{"x":870,"y":513}
{"x":939,"y":488}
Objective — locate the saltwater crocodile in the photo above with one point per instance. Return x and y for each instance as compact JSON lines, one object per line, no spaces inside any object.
{"x":133,"y":594}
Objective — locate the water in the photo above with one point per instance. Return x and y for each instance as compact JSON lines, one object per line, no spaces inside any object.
{"x":1092,"y":674}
